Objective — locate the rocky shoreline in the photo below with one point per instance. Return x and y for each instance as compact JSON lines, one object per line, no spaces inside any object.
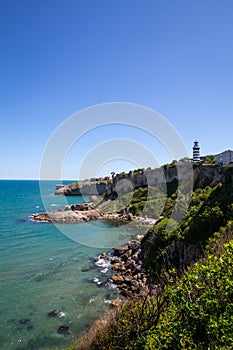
{"x":84,"y":212}
{"x":67,"y":216}
{"x":127,"y":272}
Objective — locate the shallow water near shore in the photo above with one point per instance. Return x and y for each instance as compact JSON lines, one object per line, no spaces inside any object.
{"x":43,"y":270}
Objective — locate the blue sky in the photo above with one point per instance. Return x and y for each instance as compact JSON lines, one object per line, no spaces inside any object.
{"x":58,"y":57}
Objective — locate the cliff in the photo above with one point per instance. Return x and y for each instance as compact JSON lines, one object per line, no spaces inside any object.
{"x":82,"y":189}
{"x":201,"y":175}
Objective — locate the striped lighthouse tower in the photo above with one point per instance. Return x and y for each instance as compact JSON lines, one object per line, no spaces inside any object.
{"x":196,"y":152}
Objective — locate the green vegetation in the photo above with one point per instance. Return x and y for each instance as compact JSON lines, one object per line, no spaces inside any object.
{"x":190,"y":303}
{"x":199,"y":314}
{"x":195,"y":312}
{"x":74,"y":184}
{"x":148,"y":201}
{"x":121,"y":328}
{"x":209,"y":210}
{"x":81,"y":183}
{"x":210,"y":160}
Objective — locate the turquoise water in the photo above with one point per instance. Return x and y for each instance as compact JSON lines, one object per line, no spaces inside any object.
{"x":42,"y":269}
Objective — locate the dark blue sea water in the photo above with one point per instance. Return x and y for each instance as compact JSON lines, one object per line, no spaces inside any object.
{"x":42,"y":269}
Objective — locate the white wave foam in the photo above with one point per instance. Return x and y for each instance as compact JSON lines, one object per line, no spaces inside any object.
{"x":105,"y":263}
{"x":92,"y":299}
{"x":105,"y":270}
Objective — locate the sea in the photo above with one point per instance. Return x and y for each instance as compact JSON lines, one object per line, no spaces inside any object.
{"x":46,"y":267}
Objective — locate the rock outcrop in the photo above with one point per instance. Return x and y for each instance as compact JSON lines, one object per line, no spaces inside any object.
{"x":129,"y":272}
{"x":82,"y":189}
{"x":181,"y":255}
{"x":83,"y":206}
{"x":67,"y":216}
{"x":84,"y":212}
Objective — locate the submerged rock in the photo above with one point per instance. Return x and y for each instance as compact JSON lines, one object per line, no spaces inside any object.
{"x":30,"y":327}
{"x":63,"y":330}
{"x":53,"y":313}
{"x":56,"y":313}
{"x":25,"y":321}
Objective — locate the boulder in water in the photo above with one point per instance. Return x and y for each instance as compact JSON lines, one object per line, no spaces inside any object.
{"x":24,"y":321}
{"x":63,"y":330}
{"x":53,"y":313}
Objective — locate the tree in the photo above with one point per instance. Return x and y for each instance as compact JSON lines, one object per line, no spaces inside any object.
{"x":210,"y":160}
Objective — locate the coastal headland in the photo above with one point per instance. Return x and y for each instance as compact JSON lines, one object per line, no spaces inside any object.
{"x":128,"y":268}
{"x":175,"y":268}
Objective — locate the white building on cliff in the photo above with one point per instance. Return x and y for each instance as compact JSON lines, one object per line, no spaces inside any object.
{"x":224,"y":158}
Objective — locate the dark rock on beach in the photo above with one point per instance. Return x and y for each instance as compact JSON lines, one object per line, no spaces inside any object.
{"x":81,"y":206}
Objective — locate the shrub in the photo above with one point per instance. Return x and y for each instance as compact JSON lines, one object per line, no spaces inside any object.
{"x":120,"y":329}
{"x":200,"y":312}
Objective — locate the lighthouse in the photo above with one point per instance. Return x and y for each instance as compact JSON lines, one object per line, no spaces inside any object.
{"x":196,"y":152}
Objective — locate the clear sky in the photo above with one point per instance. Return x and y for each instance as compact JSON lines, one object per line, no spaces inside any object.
{"x":58,"y":57}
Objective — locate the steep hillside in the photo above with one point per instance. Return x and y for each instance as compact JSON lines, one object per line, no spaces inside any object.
{"x":190,"y":278}
{"x":199,"y":310}
{"x":194,"y":312}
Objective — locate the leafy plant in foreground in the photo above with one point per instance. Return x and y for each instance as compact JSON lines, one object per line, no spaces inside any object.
{"x":200,"y":312}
